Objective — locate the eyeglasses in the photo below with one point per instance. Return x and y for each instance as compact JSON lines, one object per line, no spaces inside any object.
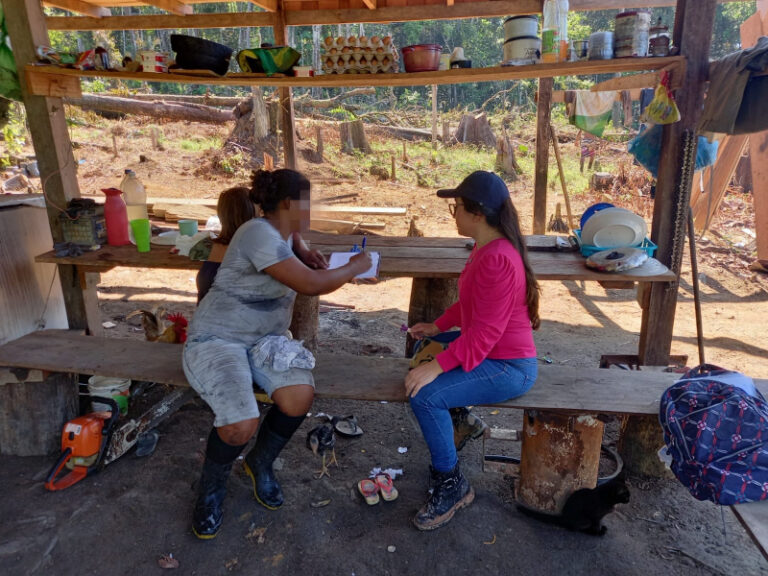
{"x":452,"y":207}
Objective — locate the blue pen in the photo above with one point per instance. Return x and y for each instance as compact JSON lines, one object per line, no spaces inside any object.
{"x":355,"y":248}
{"x":364,"y":239}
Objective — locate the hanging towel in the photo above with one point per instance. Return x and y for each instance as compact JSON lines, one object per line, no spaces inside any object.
{"x":736,"y":103}
{"x":593,"y":110}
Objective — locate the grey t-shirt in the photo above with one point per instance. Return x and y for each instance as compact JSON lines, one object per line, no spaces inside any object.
{"x":245,"y":303}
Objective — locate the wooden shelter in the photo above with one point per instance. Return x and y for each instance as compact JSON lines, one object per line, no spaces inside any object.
{"x":43,"y":88}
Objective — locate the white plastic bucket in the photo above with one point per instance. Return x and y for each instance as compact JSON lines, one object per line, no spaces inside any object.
{"x":523,"y":48}
{"x":119,"y":389}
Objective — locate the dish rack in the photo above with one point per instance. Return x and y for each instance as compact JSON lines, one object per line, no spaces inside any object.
{"x":588,"y":249}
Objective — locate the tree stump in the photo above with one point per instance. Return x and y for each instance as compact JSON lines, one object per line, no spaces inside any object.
{"x":353,"y":138}
{"x":304,"y":323}
{"x":33,"y":410}
{"x":601,"y":181}
{"x":505,"y":159}
{"x":475,"y":129}
{"x":640,"y":439}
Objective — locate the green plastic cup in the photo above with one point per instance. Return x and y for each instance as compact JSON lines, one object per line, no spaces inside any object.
{"x":141,"y":232}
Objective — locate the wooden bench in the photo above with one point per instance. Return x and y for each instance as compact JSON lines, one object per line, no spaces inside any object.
{"x":560,"y":389}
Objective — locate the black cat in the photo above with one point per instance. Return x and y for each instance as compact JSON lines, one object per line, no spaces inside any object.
{"x":584,"y":509}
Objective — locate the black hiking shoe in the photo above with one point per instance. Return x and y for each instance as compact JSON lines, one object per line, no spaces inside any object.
{"x":258,"y":465}
{"x":206,"y":518}
{"x":451,"y":491}
{"x":466,"y":426}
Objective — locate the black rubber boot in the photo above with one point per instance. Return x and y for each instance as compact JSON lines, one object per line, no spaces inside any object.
{"x":466,"y":426}
{"x":451,"y":491}
{"x":258,"y":465}
{"x":206,"y":519}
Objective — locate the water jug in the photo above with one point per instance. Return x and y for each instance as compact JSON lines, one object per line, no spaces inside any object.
{"x":134,"y":195}
{"x":116,"y":217}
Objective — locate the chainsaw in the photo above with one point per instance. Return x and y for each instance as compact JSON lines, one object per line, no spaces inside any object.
{"x":90,"y":442}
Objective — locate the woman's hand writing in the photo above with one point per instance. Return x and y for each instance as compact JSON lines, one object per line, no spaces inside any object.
{"x":359,"y":263}
{"x":421,"y":376}
{"x":423,"y":329}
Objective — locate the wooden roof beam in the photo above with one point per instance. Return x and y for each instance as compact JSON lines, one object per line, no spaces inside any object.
{"x":371,"y":4}
{"x":80,"y":7}
{"x":268,"y":5}
{"x":172,"y":6}
{"x":162,"y":21}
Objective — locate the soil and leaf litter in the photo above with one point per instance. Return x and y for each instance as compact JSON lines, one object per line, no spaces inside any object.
{"x":138,"y":509}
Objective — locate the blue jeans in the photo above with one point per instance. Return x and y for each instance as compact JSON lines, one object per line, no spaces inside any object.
{"x":492,"y":381}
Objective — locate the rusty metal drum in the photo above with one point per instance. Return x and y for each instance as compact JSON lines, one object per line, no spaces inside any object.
{"x":560,"y":454}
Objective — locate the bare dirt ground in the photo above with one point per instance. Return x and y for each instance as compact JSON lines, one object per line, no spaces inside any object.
{"x":123,"y":520}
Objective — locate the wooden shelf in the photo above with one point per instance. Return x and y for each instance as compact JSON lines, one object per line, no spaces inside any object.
{"x":53,"y":81}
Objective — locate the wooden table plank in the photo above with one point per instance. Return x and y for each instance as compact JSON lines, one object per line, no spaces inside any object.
{"x":400,"y":257}
{"x":754,"y":517}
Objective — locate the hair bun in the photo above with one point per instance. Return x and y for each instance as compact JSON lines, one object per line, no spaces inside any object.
{"x":263,"y":185}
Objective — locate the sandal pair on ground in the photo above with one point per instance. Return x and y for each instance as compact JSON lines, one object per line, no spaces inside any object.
{"x":381,"y":484}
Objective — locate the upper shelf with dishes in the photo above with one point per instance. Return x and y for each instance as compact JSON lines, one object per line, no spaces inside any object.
{"x":55,"y":81}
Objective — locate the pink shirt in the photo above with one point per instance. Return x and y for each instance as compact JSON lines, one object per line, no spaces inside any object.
{"x":491,"y":310}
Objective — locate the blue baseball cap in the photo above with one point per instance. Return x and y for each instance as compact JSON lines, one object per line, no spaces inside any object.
{"x":485,"y":188}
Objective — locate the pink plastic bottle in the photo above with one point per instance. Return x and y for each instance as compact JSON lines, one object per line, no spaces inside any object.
{"x":116,"y":217}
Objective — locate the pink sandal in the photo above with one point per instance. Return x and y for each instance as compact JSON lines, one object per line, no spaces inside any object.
{"x":386,"y":487}
{"x":370,"y":491}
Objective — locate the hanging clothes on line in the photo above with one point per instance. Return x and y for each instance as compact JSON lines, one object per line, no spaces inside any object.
{"x":737,"y":101}
{"x":592,"y":111}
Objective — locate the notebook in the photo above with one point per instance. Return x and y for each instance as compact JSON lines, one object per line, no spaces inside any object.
{"x":339,"y":259}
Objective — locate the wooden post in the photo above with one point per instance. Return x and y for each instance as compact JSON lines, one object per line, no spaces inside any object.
{"x":393,"y":176}
{"x":446,"y":132}
{"x":286,"y":100}
{"x":430,"y":297}
{"x":304,"y":325}
{"x":434,"y":116}
{"x":673,"y":190}
{"x":751,"y":30}
{"x":542,"y":155}
{"x":47,"y":124}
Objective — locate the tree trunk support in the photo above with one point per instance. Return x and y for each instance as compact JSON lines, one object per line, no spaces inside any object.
{"x":430,"y":297}
{"x":673,"y":190}
{"x":542,"y":155}
{"x":47,"y":124}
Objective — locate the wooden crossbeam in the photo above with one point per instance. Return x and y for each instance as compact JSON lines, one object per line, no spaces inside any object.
{"x":172,"y":6}
{"x":80,"y":7}
{"x":371,"y":4}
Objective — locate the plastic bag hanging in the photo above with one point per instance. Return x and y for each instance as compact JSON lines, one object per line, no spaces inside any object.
{"x":662,"y":109}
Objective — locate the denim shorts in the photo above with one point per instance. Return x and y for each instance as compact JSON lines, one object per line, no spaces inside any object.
{"x":222,"y":374}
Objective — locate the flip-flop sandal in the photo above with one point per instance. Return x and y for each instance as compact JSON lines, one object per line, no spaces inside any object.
{"x":346,"y":426}
{"x":386,"y":487}
{"x":370,"y":491}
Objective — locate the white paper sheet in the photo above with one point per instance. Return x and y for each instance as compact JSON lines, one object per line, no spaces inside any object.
{"x":339,"y":259}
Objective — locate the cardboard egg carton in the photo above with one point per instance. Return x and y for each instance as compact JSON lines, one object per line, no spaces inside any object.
{"x":359,"y":55}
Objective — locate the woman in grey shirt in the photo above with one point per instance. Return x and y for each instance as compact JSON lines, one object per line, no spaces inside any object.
{"x":250,"y":304}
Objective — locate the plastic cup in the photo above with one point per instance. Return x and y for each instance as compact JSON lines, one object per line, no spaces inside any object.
{"x":187,"y":227}
{"x":141,"y":233}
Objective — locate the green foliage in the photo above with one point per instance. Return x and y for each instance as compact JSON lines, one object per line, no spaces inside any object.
{"x":198,"y":144}
{"x":14,"y":135}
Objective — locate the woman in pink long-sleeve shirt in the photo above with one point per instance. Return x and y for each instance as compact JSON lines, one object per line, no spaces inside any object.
{"x":493,"y":357}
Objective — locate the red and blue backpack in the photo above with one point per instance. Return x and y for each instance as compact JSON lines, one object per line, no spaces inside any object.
{"x":715,"y":426}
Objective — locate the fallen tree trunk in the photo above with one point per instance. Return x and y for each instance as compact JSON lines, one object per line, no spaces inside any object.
{"x":189,"y":112}
{"x":204,"y":100}
{"x":299,"y":103}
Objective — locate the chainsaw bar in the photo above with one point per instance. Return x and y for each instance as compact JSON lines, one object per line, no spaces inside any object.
{"x":126,"y":436}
